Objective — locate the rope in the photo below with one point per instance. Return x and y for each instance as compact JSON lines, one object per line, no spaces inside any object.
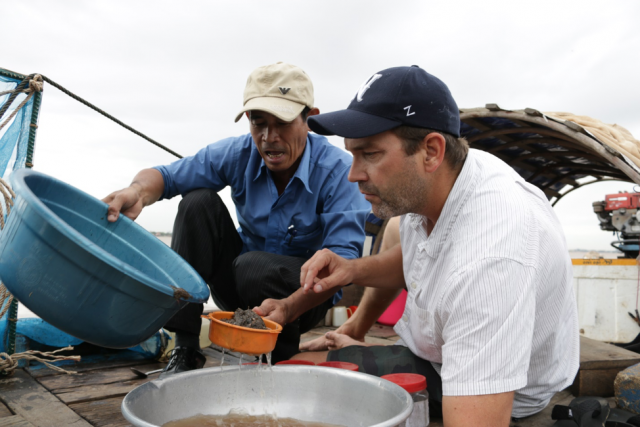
{"x":19,"y":89}
{"x":11,"y":91}
{"x":35,"y":85}
{"x":8,"y":363}
{"x":109,"y":116}
{"x":9,"y":195}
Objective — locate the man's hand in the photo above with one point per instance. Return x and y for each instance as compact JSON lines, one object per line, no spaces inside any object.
{"x":333,"y":340}
{"x":327,"y":342}
{"x":127,"y":201}
{"x":276,"y":310}
{"x":146,"y":189}
{"x":325,"y":270}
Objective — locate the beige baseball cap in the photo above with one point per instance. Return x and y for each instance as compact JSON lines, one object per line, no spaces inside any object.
{"x":279,"y":89}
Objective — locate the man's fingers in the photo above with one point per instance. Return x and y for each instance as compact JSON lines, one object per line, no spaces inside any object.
{"x":259,"y":311}
{"x":114,"y":209}
{"x":318,"y":344}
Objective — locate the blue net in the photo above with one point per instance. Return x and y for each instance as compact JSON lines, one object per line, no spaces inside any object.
{"x":14,"y":137}
{"x":14,"y":140}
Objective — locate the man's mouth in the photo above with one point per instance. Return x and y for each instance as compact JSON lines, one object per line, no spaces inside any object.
{"x":274,"y":154}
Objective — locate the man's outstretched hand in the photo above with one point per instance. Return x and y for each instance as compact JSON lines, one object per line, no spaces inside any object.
{"x":325,"y":270}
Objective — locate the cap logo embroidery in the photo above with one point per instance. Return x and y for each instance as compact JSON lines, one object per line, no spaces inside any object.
{"x":409,"y":112}
{"x":366,"y":85}
{"x":284,"y":90}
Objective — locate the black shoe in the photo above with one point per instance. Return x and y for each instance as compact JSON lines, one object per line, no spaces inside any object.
{"x":184,"y":359}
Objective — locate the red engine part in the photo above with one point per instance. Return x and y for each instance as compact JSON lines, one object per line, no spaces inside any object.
{"x":622,"y":200}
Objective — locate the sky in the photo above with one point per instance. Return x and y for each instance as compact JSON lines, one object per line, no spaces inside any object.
{"x":176,"y":72}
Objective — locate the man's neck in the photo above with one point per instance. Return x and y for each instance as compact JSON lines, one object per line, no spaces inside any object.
{"x":442,"y":183}
{"x":281,"y":179}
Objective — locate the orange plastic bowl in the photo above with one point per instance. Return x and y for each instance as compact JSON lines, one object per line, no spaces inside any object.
{"x":239,"y":338}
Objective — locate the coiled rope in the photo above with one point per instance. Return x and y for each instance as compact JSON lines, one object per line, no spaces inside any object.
{"x":8,"y":363}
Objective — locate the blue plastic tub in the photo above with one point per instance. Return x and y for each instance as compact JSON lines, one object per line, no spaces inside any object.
{"x":110,"y":284}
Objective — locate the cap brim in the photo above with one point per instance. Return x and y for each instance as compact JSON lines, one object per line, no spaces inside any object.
{"x":350,"y":124}
{"x":281,"y":108}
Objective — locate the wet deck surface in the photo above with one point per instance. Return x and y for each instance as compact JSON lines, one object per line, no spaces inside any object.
{"x":93,"y":396}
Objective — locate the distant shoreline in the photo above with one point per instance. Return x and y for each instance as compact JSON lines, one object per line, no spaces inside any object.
{"x":574,"y":253}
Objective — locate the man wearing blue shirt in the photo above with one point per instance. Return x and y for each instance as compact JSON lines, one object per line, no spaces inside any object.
{"x":292,"y":198}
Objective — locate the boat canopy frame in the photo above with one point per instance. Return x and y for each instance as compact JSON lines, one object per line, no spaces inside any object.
{"x":558,"y":156}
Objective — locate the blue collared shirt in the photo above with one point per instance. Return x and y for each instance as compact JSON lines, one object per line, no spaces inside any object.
{"x":319,"y":203}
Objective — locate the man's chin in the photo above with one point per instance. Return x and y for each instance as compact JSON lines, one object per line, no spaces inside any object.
{"x":381,"y":211}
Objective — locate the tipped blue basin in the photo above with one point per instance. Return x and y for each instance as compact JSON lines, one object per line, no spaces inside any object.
{"x":110,"y":284}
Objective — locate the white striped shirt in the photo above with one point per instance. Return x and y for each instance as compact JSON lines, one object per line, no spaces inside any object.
{"x":490,"y":294}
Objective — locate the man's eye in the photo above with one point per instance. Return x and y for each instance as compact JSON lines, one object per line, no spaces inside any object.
{"x":257,"y":123}
{"x":369,"y":153}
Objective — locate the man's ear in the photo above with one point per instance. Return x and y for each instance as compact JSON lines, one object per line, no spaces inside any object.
{"x":312,"y":112}
{"x":433,"y":147}
{"x":246,"y":113}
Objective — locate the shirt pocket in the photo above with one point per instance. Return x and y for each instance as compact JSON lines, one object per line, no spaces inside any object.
{"x":305,"y":242}
{"x":422,"y":328}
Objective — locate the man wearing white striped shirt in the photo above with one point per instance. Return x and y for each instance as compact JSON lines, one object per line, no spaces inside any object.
{"x":490,"y":306}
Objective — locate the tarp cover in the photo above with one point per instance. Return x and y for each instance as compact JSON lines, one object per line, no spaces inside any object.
{"x":14,"y":137}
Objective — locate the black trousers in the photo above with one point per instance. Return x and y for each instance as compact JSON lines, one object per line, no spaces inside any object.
{"x":205,"y":236}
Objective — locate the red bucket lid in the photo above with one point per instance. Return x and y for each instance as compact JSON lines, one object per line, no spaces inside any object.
{"x":341,"y":365}
{"x":296,"y":362}
{"x":410,"y":382}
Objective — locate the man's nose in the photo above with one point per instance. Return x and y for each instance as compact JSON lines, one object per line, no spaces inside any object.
{"x":270,"y":134}
{"x":356,"y":174}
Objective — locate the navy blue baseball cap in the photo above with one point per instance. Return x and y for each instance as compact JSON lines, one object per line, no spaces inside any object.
{"x":390,"y":98}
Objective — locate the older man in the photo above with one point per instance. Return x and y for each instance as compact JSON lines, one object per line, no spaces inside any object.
{"x":490,"y":316}
{"x":292,"y":198}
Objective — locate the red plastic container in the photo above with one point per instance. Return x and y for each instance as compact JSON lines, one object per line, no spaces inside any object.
{"x":410,"y":382}
{"x":340,"y":365}
{"x":296,"y":362}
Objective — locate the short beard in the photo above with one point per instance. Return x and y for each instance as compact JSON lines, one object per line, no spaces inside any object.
{"x":405,"y":194}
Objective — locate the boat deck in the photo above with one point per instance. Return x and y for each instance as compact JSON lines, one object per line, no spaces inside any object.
{"x":92,"y":397}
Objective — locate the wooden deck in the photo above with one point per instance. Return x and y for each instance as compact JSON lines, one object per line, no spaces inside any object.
{"x":92,"y":397}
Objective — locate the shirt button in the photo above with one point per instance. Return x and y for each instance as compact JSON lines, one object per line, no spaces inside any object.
{"x":404,"y":317}
{"x":413,"y":285}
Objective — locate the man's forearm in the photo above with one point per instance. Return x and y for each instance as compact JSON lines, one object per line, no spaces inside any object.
{"x":299,"y":303}
{"x":149,"y":184}
{"x":383,"y":270}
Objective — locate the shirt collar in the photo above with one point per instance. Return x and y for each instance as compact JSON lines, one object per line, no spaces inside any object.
{"x":302,"y":173}
{"x":465,"y":184}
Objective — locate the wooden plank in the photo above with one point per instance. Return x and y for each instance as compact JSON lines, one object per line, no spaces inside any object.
{"x":595,"y":382}
{"x":97,"y":392}
{"x":110,"y":383}
{"x":85,"y":367}
{"x":29,"y":399}
{"x":599,"y":355}
{"x":104,"y":376}
{"x":102,"y":413}
{"x":4,"y":411}
{"x":14,"y":421}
